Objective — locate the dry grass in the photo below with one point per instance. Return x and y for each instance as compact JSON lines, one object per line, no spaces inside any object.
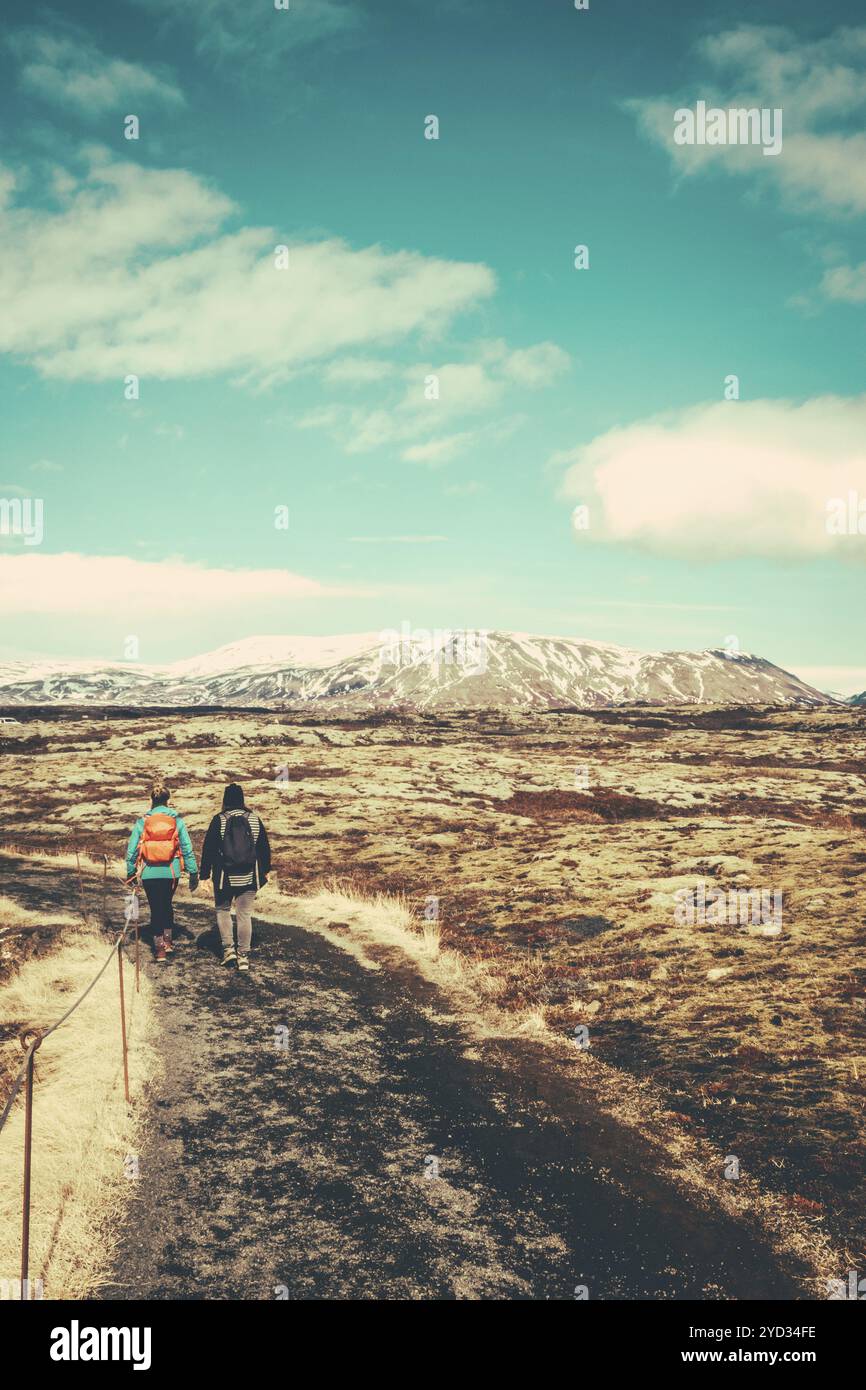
{"x":361,"y":922}
{"x":557,"y":906}
{"x":82,"y":1127}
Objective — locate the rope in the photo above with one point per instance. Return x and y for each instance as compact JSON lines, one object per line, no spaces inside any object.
{"x":43,"y":1034}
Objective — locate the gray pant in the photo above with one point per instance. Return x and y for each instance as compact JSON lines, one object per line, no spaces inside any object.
{"x":243,"y":905}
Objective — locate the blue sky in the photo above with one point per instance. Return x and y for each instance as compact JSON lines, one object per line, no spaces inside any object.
{"x":453,"y":259}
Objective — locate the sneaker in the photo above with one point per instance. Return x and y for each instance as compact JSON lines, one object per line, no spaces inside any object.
{"x":160,"y":957}
{"x":243,"y":962}
{"x":230,"y":955}
{"x":169,"y":944}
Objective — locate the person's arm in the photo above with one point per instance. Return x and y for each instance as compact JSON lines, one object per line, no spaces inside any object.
{"x":210,"y":848}
{"x":132,"y":848}
{"x":263,"y":854}
{"x":186,"y":848}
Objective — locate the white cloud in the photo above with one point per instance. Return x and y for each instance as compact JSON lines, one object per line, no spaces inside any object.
{"x":100,"y":585}
{"x":229,"y":32}
{"x":464,"y":387}
{"x":827,"y":76}
{"x":734,"y":478}
{"x":441,"y":449}
{"x":70,"y":70}
{"x":132,"y":274}
{"x":415,"y":419}
{"x":358,"y":371}
{"x":846,"y":283}
{"x":815,"y":83}
{"x":536,"y":366}
{"x":825,"y":171}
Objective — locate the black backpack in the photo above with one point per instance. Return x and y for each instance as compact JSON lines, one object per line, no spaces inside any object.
{"x":239,"y":847}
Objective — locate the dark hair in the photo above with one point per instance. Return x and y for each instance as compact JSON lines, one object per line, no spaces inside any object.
{"x":233,"y":797}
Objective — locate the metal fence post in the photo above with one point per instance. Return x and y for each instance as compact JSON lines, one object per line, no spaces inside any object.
{"x":31,"y":1040}
{"x":123,"y":1017}
{"x":36,"y":1036}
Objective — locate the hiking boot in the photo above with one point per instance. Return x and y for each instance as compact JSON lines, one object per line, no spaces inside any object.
{"x":159,"y":950}
{"x":169,"y":944}
{"x":230,"y":955}
{"x":243,"y":962}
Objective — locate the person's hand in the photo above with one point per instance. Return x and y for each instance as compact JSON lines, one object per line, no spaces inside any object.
{"x":193,"y":882}
{"x":132,"y":881}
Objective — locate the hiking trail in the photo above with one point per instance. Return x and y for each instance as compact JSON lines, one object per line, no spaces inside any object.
{"x":383,"y":1154}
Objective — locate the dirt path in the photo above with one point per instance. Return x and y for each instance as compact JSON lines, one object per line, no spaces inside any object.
{"x":311,"y":1171}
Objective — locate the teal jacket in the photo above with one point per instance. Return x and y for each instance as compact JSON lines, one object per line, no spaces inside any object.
{"x":172,"y":870}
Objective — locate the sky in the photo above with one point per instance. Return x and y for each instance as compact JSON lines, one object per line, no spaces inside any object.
{"x":314,"y":351}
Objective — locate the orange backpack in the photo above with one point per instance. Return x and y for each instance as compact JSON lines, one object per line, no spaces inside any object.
{"x":159,"y":840}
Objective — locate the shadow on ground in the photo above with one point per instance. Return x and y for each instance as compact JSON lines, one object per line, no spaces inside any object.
{"x":323,"y":1131}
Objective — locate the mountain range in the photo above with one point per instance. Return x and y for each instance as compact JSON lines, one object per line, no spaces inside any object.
{"x":431,"y":671}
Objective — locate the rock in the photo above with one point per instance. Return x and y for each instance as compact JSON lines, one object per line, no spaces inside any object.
{"x":719,"y":973}
{"x":443,"y":840}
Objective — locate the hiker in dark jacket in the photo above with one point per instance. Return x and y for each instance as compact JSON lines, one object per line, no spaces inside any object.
{"x":158,"y":852}
{"x":236,"y":852}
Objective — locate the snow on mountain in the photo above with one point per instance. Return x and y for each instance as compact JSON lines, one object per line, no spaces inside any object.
{"x":522,"y":670}
{"x":292,"y":652}
{"x":427,"y":671}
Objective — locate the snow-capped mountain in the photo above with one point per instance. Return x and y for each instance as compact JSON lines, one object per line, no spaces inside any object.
{"x":427,"y":671}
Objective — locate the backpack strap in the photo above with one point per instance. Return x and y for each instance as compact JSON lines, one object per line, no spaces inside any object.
{"x":139,"y":858}
{"x":222,"y":879}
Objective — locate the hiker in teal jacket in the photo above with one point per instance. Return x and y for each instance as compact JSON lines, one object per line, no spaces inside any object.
{"x":158,"y":853}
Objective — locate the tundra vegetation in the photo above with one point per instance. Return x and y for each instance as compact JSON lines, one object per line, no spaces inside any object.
{"x":749,"y":1027}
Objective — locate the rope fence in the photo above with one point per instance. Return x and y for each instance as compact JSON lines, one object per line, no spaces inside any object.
{"x":32,"y":1039}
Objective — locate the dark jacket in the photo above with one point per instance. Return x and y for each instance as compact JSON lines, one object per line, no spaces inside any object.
{"x":212,"y":857}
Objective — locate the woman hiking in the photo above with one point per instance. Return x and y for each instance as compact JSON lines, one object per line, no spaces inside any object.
{"x":236,"y":851}
{"x":158,"y":852}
